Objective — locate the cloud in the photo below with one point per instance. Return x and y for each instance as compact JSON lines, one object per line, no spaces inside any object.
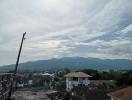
{"x":59,"y":28}
{"x":110,"y":43}
{"x":114,"y":49}
{"x":103,"y":49}
{"x":127,"y":29}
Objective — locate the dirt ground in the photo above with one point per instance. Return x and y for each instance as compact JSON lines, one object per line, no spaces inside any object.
{"x":32,"y":94}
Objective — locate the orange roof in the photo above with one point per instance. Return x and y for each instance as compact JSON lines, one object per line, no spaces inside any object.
{"x":77,"y":74}
{"x":123,"y":94}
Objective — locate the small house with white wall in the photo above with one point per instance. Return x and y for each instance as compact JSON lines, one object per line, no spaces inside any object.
{"x":77,"y":79}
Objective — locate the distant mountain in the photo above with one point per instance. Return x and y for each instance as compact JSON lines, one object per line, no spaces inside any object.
{"x":72,"y":63}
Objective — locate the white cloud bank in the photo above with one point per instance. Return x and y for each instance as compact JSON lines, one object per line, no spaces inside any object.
{"x":127,"y":29}
{"x":59,"y":28}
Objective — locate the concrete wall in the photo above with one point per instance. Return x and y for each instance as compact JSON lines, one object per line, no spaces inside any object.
{"x":80,"y":81}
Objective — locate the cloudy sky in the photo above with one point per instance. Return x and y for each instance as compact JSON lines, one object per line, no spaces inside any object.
{"x":65,"y":28}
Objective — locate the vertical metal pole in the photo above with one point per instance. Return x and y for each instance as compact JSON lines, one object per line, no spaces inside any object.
{"x":16,"y":66}
{"x":19,"y":53}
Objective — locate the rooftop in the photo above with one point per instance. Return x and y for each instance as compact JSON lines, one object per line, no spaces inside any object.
{"x":77,"y":74}
{"x":2,"y":74}
{"x":123,"y":94}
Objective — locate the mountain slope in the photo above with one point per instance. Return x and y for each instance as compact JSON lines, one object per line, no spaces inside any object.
{"x":73,"y":63}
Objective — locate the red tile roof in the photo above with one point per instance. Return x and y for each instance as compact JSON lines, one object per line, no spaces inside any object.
{"x":123,"y":94}
{"x":77,"y":74}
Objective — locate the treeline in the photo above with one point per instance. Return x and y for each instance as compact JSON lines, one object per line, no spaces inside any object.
{"x":122,"y":77}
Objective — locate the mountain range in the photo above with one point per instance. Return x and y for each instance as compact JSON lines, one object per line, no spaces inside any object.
{"x":72,"y":63}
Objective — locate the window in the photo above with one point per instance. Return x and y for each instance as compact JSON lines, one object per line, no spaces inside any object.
{"x":75,"y":79}
{"x":81,"y":84}
{"x":83,"y":78}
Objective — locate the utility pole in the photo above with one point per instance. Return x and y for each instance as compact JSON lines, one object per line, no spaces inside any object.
{"x":16,"y":66}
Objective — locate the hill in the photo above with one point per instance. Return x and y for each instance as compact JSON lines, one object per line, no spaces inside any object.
{"x":72,"y":63}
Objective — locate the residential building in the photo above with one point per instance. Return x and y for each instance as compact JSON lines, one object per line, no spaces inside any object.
{"x":122,"y":94}
{"x":43,"y":79}
{"x":77,"y":79}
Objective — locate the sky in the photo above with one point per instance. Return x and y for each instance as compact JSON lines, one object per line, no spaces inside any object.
{"x":65,"y":28}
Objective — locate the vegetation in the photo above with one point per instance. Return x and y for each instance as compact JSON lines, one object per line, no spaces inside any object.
{"x":112,"y":79}
{"x":60,"y":83}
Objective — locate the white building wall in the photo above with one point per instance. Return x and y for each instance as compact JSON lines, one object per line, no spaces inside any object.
{"x":70,"y":82}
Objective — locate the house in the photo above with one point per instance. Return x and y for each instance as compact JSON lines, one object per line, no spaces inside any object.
{"x":77,"y":79}
{"x":23,"y":80}
{"x":52,"y":76}
{"x":122,"y":94}
{"x":43,"y":79}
